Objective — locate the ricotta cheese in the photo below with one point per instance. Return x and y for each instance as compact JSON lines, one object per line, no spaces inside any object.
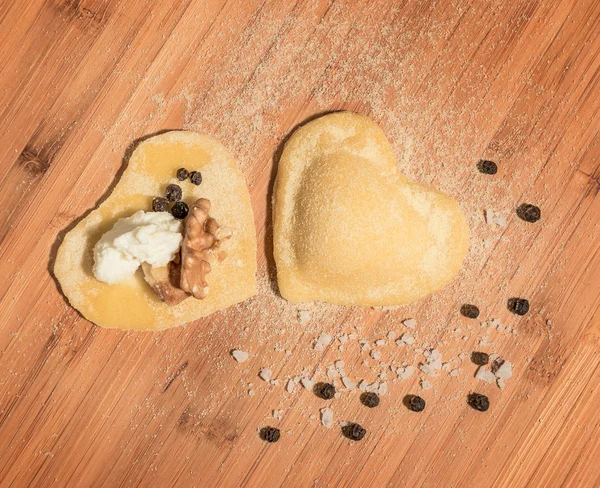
{"x":145,"y":237}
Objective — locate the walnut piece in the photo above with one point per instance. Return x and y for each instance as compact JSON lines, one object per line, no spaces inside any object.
{"x":165,"y":282}
{"x":202,"y":235}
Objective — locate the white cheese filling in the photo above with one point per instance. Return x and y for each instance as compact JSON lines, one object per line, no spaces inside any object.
{"x":145,"y":237}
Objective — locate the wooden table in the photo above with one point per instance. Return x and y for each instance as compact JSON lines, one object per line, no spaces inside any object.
{"x":451,"y":82}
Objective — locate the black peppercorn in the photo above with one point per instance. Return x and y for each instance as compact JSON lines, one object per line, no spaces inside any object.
{"x":354,"y":432}
{"x":160,"y":204}
{"x":469,"y":311}
{"x":182,"y":174}
{"x":480,"y":358}
{"x":519,"y":306}
{"x":369,"y":399}
{"x":270,"y":434}
{"x":487,"y":167}
{"x":529,"y":213}
{"x":415,"y":403}
{"x":479,"y":402}
{"x":173,"y":193}
{"x":196,"y":177}
{"x":180,"y":210}
{"x":326,"y":391}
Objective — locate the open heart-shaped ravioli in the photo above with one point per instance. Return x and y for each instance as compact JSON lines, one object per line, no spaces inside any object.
{"x":132,"y":304}
{"x":350,"y":229}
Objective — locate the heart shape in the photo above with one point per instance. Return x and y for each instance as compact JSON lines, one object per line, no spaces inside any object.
{"x":350,"y":229}
{"x":132,"y":304}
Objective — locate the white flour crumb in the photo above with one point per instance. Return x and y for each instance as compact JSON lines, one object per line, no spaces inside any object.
{"x":428,"y":370}
{"x":327,"y":417}
{"x":240,"y":356}
{"x":323,"y":340}
{"x":408,"y":339}
{"x":348,"y":383}
{"x":485,"y":375}
{"x":265,"y":374}
{"x":433,"y":363}
{"x":304,"y":317}
{"x":491,"y":323}
{"x":492,"y":217}
{"x":406,"y":372}
{"x":410,"y":323}
{"x":502,"y":369}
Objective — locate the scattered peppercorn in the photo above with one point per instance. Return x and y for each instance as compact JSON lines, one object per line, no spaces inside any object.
{"x":480,"y":358}
{"x":196,"y":177}
{"x":326,"y":391}
{"x":469,"y":311}
{"x":160,"y":204}
{"x":487,"y":167}
{"x":479,"y":402}
{"x":354,"y":432}
{"x":270,"y":434}
{"x":519,"y":306}
{"x":415,"y":403}
{"x":182,"y":174}
{"x":180,"y":210}
{"x":173,"y":193}
{"x":369,"y":399}
{"x":529,"y":213}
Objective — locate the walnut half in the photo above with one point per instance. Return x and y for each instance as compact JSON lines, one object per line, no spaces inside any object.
{"x":202,"y":235}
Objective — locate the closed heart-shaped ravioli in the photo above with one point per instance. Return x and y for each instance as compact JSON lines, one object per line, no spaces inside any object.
{"x":350,"y":229}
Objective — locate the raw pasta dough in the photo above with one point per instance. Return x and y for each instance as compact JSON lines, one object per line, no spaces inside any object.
{"x":350,"y":229}
{"x":132,"y":304}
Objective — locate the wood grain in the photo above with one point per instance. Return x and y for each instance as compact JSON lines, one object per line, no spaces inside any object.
{"x":454,"y":81}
